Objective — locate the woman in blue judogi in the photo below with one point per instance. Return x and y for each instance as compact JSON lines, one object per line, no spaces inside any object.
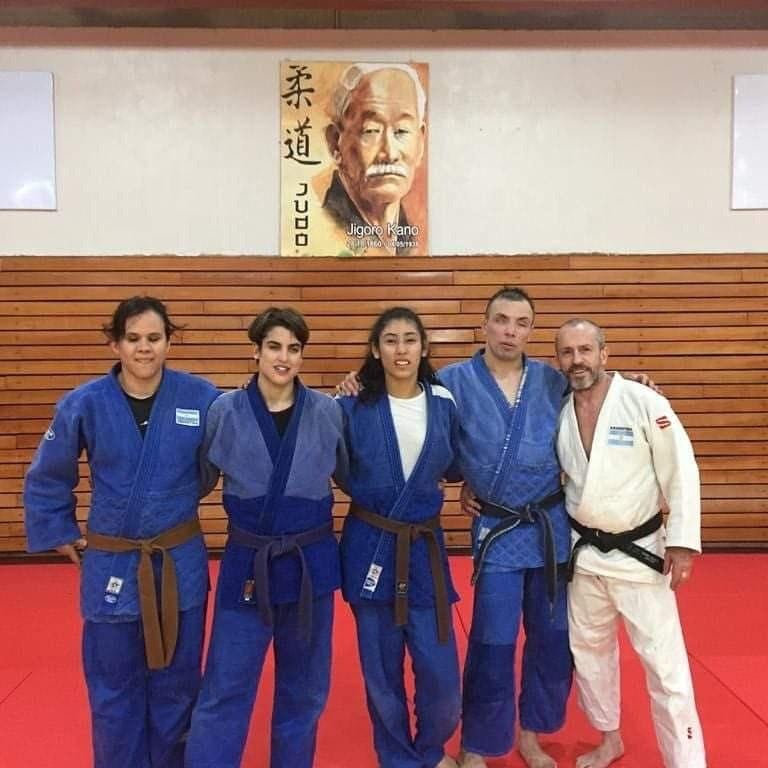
{"x":140,"y":426}
{"x":400,"y":433}
{"x":277,"y":444}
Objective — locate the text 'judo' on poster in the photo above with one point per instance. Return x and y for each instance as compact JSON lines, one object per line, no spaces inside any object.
{"x":353,"y":158}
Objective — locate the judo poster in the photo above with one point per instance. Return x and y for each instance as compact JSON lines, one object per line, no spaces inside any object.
{"x":353,"y":158}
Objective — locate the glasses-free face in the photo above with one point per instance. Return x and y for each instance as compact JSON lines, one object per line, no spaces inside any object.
{"x":580,"y":356}
{"x":142,"y":352}
{"x":400,"y":351}
{"x":280,"y":357}
{"x":381,"y":141}
{"x":507,"y":327}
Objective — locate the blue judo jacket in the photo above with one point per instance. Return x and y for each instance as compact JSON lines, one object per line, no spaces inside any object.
{"x":276,"y":485}
{"x":508,"y":454}
{"x":139,"y":487}
{"x":376,"y":482}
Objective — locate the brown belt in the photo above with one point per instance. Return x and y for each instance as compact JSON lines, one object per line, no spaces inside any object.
{"x":407,"y":533}
{"x":158,"y":643}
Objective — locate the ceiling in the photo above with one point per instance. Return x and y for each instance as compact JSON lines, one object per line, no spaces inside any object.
{"x":392,"y":14}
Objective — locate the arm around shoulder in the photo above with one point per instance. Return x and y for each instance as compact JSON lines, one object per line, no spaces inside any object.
{"x":341,"y":472}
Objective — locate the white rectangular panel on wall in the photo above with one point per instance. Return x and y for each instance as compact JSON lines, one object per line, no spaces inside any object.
{"x":27,"y":154}
{"x":750,"y":141}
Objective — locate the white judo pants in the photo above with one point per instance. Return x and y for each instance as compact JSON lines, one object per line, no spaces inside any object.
{"x":652,"y":622}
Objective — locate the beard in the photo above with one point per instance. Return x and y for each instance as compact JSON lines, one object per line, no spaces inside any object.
{"x":582,"y":377}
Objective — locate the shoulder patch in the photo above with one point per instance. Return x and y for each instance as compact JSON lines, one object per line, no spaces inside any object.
{"x":49,"y":433}
{"x":663,"y":422}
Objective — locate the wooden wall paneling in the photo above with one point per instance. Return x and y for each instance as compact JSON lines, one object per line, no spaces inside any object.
{"x":697,"y":323}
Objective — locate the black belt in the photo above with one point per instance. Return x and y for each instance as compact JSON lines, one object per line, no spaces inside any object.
{"x":534,"y":512}
{"x":407,"y":532}
{"x":268,"y":547}
{"x":624,"y":542}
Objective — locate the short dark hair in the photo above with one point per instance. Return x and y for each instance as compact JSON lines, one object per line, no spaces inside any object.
{"x":137,"y":305}
{"x":278,"y":317}
{"x":511,"y":293}
{"x":371,"y":373}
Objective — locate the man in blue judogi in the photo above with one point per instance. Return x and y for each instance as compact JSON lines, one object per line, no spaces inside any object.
{"x":509,"y":406}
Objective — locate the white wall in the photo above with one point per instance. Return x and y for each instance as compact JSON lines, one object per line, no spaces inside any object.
{"x":167,"y":140}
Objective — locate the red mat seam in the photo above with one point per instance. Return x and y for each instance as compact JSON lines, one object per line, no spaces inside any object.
{"x":457,"y":613}
{"x":15,"y":688}
{"x":728,"y":688}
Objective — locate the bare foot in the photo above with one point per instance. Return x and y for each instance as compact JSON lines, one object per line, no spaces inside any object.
{"x":447,"y":762}
{"x":471,"y":760}
{"x":532,"y":753}
{"x":611,"y":748}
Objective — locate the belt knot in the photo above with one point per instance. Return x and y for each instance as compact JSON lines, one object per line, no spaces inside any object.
{"x":267,"y":547}
{"x":282,"y":545}
{"x":406,"y":533}
{"x":161,"y":627}
{"x":148,"y":546}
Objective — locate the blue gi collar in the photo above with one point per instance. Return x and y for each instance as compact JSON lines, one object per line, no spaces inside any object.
{"x":281,"y":449}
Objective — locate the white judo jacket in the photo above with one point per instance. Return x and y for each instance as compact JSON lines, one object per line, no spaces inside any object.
{"x":640,"y":454}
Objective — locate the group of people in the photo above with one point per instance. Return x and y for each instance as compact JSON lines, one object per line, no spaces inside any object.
{"x":563,"y":473}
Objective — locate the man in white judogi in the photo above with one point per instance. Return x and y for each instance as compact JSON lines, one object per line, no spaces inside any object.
{"x":622,"y":449}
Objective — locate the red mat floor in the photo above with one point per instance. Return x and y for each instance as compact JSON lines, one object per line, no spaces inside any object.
{"x":44,"y":713}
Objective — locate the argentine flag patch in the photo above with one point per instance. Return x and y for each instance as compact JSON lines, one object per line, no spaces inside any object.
{"x":621,"y":436}
{"x":187,"y":417}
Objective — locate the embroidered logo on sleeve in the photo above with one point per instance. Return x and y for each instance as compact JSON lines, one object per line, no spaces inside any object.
{"x":187,"y":417}
{"x":621,"y":436}
{"x":372,"y":579}
{"x":663,"y":422}
{"x":49,"y":433}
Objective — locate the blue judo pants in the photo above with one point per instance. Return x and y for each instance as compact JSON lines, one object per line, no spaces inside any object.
{"x":140,"y":716}
{"x":489,"y":712}
{"x":239,"y":644}
{"x":436,"y":676}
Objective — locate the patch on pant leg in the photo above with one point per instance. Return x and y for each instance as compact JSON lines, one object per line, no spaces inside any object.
{"x":489,"y":673}
{"x":489,"y":707}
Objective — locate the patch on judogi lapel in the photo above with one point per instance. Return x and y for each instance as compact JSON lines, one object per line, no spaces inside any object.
{"x":112,"y":592}
{"x":372,"y":579}
{"x":188,"y":417}
{"x":621,"y":436}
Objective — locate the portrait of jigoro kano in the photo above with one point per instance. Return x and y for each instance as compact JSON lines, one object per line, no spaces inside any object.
{"x":353,"y":158}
